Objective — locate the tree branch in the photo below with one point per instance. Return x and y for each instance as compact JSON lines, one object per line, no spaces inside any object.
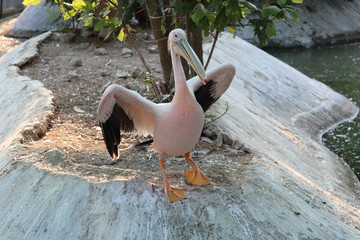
{"x":212,"y":48}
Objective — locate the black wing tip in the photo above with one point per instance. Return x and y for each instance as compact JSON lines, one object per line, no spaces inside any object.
{"x":204,"y":94}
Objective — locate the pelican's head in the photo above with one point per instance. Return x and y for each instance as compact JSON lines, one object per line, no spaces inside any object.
{"x":179,"y":45}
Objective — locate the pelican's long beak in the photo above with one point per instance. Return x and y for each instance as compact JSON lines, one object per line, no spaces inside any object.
{"x":183,"y":49}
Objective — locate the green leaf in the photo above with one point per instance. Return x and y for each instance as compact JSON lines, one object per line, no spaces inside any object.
{"x":221,"y":20}
{"x":281,"y":2}
{"x":31,"y":2}
{"x":297,"y":1}
{"x":162,"y":26}
{"x":270,"y":29}
{"x":270,"y":11}
{"x":198,"y":13}
{"x":290,"y":14}
{"x":248,"y":4}
{"x":184,"y":7}
{"x":233,"y":10}
{"x":99,"y":25}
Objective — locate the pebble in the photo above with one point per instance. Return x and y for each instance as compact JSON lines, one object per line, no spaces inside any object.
{"x":54,"y":156}
{"x":72,"y":75}
{"x":84,"y":45}
{"x":105,"y":73}
{"x":76,"y":62}
{"x":103,"y":33}
{"x":145,"y":36}
{"x":78,"y":110}
{"x":136,"y":72}
{"x":100,"y":51}
{"x":153,"y":49}
{"x":69,"y":38}
{"x":122,"y":74}
{"x":126,"y":52}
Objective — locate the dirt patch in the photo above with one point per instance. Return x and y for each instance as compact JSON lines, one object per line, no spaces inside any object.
{"x":77,"y":72}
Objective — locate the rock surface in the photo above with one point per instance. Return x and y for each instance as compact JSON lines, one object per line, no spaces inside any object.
{"x":35,"y":19}
{"x":323,"y":22}
{"x":294,"y":188}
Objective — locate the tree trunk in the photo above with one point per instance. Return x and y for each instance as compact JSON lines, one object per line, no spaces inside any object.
{"x":196,"y":43}
{"x":1,"y":8}
{"x":155,"y":16}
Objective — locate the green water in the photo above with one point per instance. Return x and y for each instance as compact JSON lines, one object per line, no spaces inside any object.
{"x":339,"y":68}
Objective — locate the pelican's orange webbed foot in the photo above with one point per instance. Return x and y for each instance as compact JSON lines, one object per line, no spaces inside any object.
{"x":195,"y":176}
{"x":174,"y":193}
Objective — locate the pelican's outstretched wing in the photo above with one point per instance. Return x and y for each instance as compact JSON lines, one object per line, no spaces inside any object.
{"x":219,"y":80}
{"x":123,"y":110}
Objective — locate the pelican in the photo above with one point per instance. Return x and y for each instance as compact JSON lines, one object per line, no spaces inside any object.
{"x":175,"y":126}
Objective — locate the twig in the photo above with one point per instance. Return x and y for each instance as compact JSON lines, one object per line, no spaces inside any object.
{"x":212,"y":48}
{"x":213,"y":120}
{"x":153,"y":84}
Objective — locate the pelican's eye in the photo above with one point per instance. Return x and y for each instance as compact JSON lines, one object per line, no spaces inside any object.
{"x":176,"y":35}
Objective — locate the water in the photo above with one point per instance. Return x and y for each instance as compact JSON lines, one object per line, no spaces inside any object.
{"x":339,"y":68}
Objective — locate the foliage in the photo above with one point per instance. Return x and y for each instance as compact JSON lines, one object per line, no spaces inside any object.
{"x":204,"y":14}
{"x":196,"y":16}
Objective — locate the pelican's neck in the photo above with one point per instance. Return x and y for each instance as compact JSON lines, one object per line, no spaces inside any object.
{"x":181,"y":88}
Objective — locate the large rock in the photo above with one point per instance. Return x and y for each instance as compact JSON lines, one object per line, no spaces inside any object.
{"x":11,"y":6}
{"x":294,"y":188}
{"x":34,"y":20}
{"x":323,"y":22}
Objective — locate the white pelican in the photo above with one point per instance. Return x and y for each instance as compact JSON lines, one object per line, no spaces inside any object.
{"x":175,"y":126}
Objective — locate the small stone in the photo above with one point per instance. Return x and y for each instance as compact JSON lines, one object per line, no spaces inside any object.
{"x":103,"y":33}
{"x":87,"y":32}
{"x":145,"y":36}
{"x":153,"y":49}
{"x":78,"y":110}
{"x":126,"y":52}
{"x":69,"y":38}
{"x":134,"y":21}
{"x":105,"y":73}
{"x":72,"y":75}
{"x":227,"y":140}
{"x":219,"y":139}
{"x":76,"y":62}
{"x":84,"y":45}
{"x":207,"y":142}
{"x":122,"y":74}
{"x":100,"y":51}
{"x":237,"y":145}
{"x":136,"y":72}
{"x":54,"y":156}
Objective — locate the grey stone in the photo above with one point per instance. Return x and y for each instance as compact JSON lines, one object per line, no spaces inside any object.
{"x":100,"y":51}
{"x":145,"y":35}
{"x":153,"y":49}
{"x":72,"y":75}
{"x":103,"y":33}
{"x":321,"y":23}
{"x":126,"y":52}
{"x":54,"y":156}
{"x":76,"y":62}
{"x":83,"y":45}
{"x":136,"y":72}
{"x":122,"y":74}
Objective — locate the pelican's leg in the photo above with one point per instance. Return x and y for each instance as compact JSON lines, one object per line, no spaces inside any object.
{"x":172,"y":193}
{"x":195,"y":176}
